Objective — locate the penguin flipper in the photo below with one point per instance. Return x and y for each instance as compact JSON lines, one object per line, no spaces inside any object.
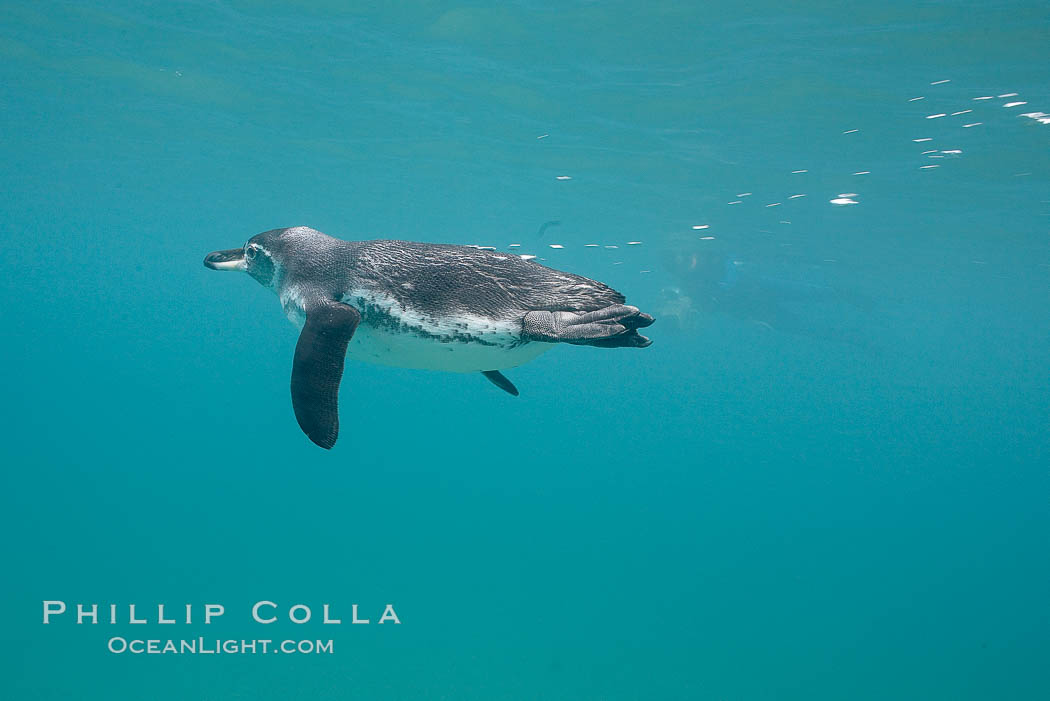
{"x":318,"y":368}
{"x":500,"y":380}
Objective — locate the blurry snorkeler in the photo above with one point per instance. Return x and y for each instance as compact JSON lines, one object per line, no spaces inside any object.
{"x":712,"y":281}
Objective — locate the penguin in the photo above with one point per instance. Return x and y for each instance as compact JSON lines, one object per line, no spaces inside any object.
{"x":420,"y":305}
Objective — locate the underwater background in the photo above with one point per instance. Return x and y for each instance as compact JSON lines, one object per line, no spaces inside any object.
{"x":827,"y":478}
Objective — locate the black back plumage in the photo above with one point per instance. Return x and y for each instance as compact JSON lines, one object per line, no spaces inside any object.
{"x":439,"y":278}
{"x":435,"y":279}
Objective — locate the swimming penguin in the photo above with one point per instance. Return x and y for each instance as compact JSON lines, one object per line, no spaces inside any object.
{"x":420,"y":305}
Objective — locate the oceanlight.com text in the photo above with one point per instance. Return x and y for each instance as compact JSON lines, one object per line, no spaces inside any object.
{"x":215,"y":646}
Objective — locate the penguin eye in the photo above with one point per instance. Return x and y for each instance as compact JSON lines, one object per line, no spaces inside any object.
{"x":250,"y":253}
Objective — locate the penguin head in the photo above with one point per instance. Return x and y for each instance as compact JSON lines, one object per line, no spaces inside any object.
{"x":261,"y":257}
{"x":254,"y":259}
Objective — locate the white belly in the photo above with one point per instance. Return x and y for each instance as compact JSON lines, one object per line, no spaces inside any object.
{"x":427,"y":343}
{"x":409,"y":350}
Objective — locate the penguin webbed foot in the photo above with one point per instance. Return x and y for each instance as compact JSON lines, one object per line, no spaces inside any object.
{"x":615,"y":326}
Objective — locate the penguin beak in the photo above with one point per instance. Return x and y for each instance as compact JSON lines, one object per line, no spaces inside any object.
{"x":232,"y":259}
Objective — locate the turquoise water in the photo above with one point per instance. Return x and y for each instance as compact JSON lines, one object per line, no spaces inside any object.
{"x":826,"y":479}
